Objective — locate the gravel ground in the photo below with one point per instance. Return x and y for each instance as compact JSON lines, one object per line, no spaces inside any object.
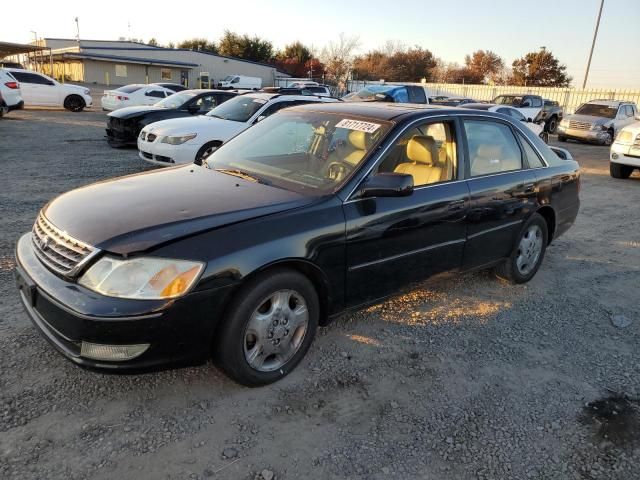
{"x":463,"y":377}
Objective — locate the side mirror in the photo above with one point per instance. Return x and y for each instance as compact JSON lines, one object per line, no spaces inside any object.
{"x":387,"y":185}
{"x":50,"y":83}
{"x":529,"y":119}
{"x":193,"y":108}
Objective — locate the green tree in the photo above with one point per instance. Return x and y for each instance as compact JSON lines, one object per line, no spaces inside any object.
{"x":201,"y":44}
{"x":153,"y":42}
{"x":242,"y":46}
{"x":396,"y":64}
{"x":483,"y":66}
{"x":297,"y":51}
{"x":540,"y":69}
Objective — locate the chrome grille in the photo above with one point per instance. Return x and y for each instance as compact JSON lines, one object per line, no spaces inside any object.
{"x":57,"y":250}
{"x":579,"y":125}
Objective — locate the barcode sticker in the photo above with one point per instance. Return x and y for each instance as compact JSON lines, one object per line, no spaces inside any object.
{"x":359,"y":125}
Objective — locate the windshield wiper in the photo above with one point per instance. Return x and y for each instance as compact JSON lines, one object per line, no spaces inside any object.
{"x":242,"y":174}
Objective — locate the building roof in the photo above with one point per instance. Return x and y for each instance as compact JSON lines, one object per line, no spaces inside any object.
{"x":118,"y":58}
{"x":142,"y":46}
{"x":8,"y":48}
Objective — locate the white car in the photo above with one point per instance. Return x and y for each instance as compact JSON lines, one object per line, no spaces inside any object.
{"x":624,"y":155}
{"x":43,"y":91}
{"x":10,"y":93}
{"x":240,"y":82}
{"x":190,"y":139}
{"x":133,"y":96}
{"x":515,"y":113}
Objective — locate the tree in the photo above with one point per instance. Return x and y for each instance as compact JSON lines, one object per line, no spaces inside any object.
{"x":396,"y":63}
{"x":371,"y":66}
{"x":338,"y":58}
{"x":153,"y":42}
{"x":297,"y":51}
{"x":171,"y":45}
{"x":540,"y":69}
{"x":201,"y":44}
{"x":242,"y":46}
{"x":483,"y":66}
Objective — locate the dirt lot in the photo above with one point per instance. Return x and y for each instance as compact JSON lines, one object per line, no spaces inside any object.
{"x":463,"y":377}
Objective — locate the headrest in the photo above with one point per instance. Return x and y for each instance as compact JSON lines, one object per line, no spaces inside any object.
{"x":489,"y":151}
{"x":422,"y":149}
{"x":358,"y":139}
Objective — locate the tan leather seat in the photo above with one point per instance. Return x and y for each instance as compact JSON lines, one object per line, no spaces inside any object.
{"x":487,"y":159}
{"x":353,"y":151}
{"x":422,"y":154}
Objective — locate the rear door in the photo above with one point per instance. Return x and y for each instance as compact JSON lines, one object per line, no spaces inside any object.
{"x":393,"y":241}
{"x":36,"y":89}
{"x":503,"y":190}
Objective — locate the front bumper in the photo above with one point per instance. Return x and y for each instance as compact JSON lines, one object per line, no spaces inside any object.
{"x":597,"y":136}
{"x":179,"y":332}
{"x":164,"y":154}
{"x":625,"y":154}
{"x":120,"y":134}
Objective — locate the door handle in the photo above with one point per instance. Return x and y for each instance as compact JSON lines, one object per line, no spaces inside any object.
{"x":530,"y":188}
{"x":457,"y":205}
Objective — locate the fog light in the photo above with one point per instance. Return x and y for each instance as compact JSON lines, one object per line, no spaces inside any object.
{"x":614,"y":155}
{"x":113,"y":353}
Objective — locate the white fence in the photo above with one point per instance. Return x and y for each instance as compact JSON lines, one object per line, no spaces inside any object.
{"x":568,"y":98}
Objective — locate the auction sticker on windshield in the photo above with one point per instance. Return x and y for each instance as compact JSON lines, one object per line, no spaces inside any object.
{"x":359,"y":125}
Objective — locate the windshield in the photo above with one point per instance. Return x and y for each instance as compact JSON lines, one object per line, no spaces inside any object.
{"x":176,"y":100}
{"x":507,"y":100}
{"x":228,"y":78}
{"x":307,"y":152}
{"x":238,"y":109}
{"x":369,"y":92}
{"x":597,"y":110}
{"x":129,"y":88}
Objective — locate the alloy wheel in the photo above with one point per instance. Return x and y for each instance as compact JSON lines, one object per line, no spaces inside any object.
{"x":276,"y":330}
{"x":529,"y":250}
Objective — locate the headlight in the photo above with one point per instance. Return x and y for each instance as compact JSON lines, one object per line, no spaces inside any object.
{"x":144,"y":278}
{"x":599,"y":127}
{"x":179,"y":140}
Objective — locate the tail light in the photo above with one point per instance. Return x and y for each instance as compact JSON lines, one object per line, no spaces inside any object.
{"x":122,"y":97}
{"x":12,"y":85}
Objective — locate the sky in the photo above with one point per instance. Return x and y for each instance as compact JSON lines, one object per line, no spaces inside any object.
{"x":450,"y":29}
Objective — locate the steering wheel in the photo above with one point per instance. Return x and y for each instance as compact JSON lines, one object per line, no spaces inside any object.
{"x":338,"y":170}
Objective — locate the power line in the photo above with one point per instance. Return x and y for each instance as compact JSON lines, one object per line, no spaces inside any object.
{"x":593,"y":44}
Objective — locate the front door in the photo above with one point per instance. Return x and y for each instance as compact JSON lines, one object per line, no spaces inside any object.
{"x":394,"y":241}
{"x":503,"y":190}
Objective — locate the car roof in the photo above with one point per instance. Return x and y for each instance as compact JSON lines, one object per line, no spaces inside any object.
{"x":481,"y":106}
{"x":377,"y":110}
{"x":610,"y":103}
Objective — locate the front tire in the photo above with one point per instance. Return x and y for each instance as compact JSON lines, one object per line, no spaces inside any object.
{"x":620,"y":171}
{"x":269,"y":327}
{"x":206,"y":150}
{"x":528,"y":252}
{"x":608,"y":140}
{"x":552,"y":124}
{"x":74,"y":103}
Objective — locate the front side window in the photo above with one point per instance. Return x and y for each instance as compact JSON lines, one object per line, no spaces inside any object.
{"x":308,"y":152}
{"x":238,"y":109}
{"x":536,"y":102}
{"x":427,"y":152}
{"x":492,"y":148}
{"x":206,"y":103}
{"x":508,"y":100}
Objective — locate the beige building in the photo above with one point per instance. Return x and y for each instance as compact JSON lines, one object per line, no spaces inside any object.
{"x":125,"y":62}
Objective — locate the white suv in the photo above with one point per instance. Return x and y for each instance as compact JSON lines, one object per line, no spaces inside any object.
{"x":10,"y":94}
{"x":191,"y":139}
{"x":43,"y":91}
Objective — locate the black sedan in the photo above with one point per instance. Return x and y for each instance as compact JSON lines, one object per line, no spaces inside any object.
{"x":313,"y":211}
{"x":124,"y":125}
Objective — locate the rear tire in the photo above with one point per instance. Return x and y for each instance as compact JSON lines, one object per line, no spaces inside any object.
{"x":206,"y":150}
{"x":608,"y":139}
{"x":269,"y":327}
{"x":74,"y":103}
{"x":528,"y":252}
{"x":620,"y":171}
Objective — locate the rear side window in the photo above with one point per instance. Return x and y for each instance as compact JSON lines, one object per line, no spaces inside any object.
{"x":155,"y":93}
{"x":492,"y":148}
{"x":129,"y":89}
{"x":533,"y":159}
{"x":32,"y":78}
{"x":417,"y":95}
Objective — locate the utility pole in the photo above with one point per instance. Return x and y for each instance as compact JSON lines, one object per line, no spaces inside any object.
{"x":77,"y":30}
{"x":35,"y":55}
{"x":593,"y":44}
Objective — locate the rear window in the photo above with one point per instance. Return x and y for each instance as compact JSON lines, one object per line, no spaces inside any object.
{"x":128,"y":88}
